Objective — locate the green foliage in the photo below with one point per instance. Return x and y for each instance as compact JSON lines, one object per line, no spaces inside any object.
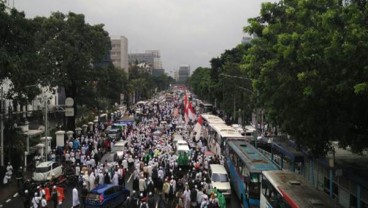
{"x":310,"y":70}
{"x":143,"y":85}
{"x":18,"y":52}
{"x":68,"y":48}
{"x":225,"y":82}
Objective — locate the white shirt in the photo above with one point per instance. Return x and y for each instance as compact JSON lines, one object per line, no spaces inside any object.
{"x":115,"y":179}
{"x":43,"y":202}
{"x":75,"y":197}
{"x":35,"y":201}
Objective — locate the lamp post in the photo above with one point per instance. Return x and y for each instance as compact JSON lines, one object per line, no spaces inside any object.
{"x":331,"y":164}
{"x":2,"y":109}
{"x":46,"y":126}
{"x":242,"y":88}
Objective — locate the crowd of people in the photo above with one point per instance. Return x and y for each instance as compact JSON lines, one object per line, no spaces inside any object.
{"x":161,"y":177}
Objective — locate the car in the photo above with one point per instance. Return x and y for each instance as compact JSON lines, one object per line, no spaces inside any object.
{"x":106,"y":195}
{"x":114,"y":133}
{"x":45,"y":170}
{"x":219,"y":179}
{"x":120,"y":148}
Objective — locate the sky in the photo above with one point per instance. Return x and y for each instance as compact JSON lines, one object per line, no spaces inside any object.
{"x":186,"y":32}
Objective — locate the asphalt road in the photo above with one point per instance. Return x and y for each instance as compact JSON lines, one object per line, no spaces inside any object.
{"x":17,"y":202}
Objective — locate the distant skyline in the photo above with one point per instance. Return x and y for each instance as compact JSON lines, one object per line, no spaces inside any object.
{"x":186,"y":32}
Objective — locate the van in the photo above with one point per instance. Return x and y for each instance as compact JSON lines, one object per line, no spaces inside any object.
{"x":182,"y":149}
{"x":220,"y":179}
{"x":119,"y":149}
{"x":177,"y":137}
{"x":114,"y":133}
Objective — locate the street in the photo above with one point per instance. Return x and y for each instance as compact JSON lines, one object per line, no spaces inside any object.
{"x":17,"y":201}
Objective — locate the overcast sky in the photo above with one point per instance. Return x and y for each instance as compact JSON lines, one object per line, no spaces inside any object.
{"x":187,"y":32}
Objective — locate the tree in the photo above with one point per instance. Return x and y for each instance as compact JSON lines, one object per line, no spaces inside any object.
{"x":225,"y":82}
{"x":306,"y":62}
{"x":68,"y":48}
{"x":18,"y":58}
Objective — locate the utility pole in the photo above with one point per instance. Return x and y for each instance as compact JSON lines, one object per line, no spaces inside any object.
{"x":2,"y":127}
{"x":46,"y":128}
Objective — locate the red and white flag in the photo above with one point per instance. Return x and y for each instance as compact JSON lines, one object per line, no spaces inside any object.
{"x":198,"y":128}
{"x":186,"y":118}
{"x":191,"y":114}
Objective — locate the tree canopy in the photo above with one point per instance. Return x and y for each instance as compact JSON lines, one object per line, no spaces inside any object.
{"x":308,"y":65}
{"x":306,"y":69}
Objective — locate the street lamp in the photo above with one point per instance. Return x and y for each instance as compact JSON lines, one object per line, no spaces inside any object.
{"x":331,"y":164}
{"x":242,"y":88}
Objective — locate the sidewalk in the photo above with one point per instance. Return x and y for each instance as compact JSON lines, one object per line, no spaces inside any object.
{"x":7,"y":191}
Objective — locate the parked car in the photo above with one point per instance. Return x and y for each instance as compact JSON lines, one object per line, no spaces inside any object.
{"x":45,"y":170}
{"x":106,"y":195}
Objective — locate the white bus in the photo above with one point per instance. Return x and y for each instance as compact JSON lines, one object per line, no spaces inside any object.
{"x":282,"y":189}
{"x":212,"y":119}
{"x":218,"y":134}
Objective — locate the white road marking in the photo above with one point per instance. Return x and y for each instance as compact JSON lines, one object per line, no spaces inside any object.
{"x":15,"y":195}
{"x":7,"y":201}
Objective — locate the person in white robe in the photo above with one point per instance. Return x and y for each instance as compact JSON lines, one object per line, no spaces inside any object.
{"x":75,"y":201}
{"x":92,"y":179}
{"x":115,"y":179}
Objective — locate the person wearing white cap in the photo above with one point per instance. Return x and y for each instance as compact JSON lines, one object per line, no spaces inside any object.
{"x":36,"y":200}
{"x":115,"y":178}
{"x":54,"y":196}
{"x":6,"y":178}
{"x":204,"y":203}
{"x":43,"y":202}
{"x":77,"y":169}
{"x":26,"y":199}
{"x":101,"y":177}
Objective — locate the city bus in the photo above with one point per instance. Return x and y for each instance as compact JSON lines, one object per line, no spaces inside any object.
{"x":283,"y":189}
{"x":245,"y":165}
{"x":211,"y":119}
{"x":218,"y":134}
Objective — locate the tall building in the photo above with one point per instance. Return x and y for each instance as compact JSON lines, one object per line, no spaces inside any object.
{"x":149,"y":57}
{"x":119,"y":52}
{"x":184,"y":73}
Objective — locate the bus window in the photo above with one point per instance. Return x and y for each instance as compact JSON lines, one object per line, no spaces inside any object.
{"x":254,"y":185}
{"x":272,"y":195}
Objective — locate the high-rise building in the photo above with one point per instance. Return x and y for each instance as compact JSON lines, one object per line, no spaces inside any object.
{"x":150,"y":58}
{"x":184,"y":73}
{"x":119,"y":52}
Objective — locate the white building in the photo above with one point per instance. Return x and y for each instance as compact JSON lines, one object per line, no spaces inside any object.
{"x":119,"y":52}
{"x":150,"y":57}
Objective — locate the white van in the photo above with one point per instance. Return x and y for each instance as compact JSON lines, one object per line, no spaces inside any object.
{"x":119,"y":149}
{"x":219,"y":179}
{"x":182,"y":149}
